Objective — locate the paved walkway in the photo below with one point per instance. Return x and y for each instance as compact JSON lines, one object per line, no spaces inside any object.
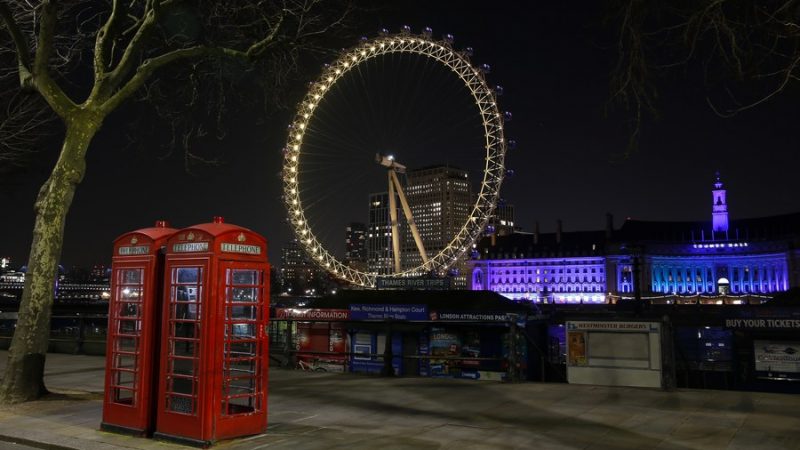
{"x":328,"y":411}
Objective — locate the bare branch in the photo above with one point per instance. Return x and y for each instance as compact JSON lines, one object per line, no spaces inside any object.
{"x":47,"y":87}
{"x":788,"y":76}
{"x":21,"y":44}
{"x":105,"y":39}
{"x":24,"y":123}
{"x":128,"y":60}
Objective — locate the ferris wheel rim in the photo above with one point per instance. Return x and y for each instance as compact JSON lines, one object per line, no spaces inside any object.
{"x":493,"y":172}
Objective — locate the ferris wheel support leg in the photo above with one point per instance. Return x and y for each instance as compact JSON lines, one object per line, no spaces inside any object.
{"x":395,"y":227}
{"x":409,"y":218}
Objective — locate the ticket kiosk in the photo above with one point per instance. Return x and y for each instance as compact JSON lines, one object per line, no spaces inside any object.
{"x":134,"y":313}
{"x":214,"y":355}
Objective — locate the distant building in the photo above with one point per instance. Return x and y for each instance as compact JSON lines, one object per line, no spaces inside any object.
{"x":355,"y":243}
{"x":380,"y":257}
{"x":99,"y":274}
{"x":5,"y":263}
{"x":440,"y":198}
{"x":758,"y":256}
{"x":298,"y":274}
{"x":501,"y":223}
{"x":12,"y":276}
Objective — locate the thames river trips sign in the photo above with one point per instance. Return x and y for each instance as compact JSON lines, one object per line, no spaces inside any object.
{"x":427,"y":284}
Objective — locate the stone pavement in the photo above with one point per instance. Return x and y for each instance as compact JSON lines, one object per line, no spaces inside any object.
{"x":330,"y":411}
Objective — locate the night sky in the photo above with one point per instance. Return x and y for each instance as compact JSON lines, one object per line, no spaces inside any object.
{"x":554,"y":64}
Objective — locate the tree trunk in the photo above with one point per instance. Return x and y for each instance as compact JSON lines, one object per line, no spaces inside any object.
{"x":24,"y":374}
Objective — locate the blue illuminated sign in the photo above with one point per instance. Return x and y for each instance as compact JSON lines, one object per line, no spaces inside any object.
{"x":393,"y":312}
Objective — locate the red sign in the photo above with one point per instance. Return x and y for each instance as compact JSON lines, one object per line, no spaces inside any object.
{"x":311,"y":314}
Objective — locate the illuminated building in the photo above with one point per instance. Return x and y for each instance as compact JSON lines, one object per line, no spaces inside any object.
{"x":298,"y":274}
{"x":502,"y":221}
{"x":758,"y":256}
{"x":355,"y":254}
{"x":553,"y":267}
{"x":379,"y":235}
{"x":441,"y":200}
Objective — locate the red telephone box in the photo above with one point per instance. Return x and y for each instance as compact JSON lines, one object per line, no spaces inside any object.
{"x":214,"y":354}
{"x":134,"y":313}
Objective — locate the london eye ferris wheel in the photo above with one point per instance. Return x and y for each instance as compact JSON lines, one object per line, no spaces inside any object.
{"x":310,"y":142}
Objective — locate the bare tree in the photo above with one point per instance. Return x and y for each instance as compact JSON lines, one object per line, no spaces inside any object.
{"x":745,"y":52}
{"x":84,"y":59}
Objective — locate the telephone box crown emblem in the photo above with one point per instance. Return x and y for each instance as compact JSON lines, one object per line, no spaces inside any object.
{"x":190,"y":236}
{"x":134,"y":240}
{"x":241,"y":237}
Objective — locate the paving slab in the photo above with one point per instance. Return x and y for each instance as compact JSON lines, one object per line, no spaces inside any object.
{"x":346,"y":411}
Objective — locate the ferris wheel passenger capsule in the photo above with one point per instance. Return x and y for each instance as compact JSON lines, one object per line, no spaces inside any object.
{"x":485,"y":68}
{"x":498,"y":90}
{"x":405,"y":29}
{"x":468,"y":51}
{"x":363,"y":39}
{"x":512,"y":144}
{"x":427,"y":31}
{"x":507,"y":116}
{"x":383,"y":32}
{"x":449,"y":38}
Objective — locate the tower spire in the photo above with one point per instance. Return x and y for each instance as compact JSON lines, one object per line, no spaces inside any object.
{"x":719,"y":208}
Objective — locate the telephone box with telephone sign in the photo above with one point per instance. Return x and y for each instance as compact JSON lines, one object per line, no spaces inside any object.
{"x":134,"y":322}
{"x":214,"y":354}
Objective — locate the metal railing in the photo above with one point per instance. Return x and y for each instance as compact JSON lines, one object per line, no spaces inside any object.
{"x":74,"y":334}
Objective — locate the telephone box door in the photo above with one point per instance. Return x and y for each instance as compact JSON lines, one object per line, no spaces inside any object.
{"x":124,"y":346}
{"x":243,"y":348}
{"x":183,"y":371}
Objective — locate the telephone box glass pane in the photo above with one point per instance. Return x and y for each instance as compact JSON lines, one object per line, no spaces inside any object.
{"x":124,"y":396}
{"x":240,"y":331}
{"x":127,"y":344}
{"x":243,"y":294}
{"x":131,"y":276}
{"x":184,"y":348}
{"x":241,"y":312}
{"x":185,"y":330}
{"x":124,"y":378}
{"x":244,"y":277}
{"x":130,"y":294}
{"x":129,"y":327}
{"x":126,"y":361}
{"x":241,"y":349}
{"x":187,"y":311}
{"x":129,"y":309}
{"x":183,"y":366}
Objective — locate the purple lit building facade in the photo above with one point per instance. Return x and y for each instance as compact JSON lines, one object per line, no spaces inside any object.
{"x":759,"y":256}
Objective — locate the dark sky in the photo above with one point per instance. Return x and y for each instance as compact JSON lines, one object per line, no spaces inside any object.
{"x":554,"y":64}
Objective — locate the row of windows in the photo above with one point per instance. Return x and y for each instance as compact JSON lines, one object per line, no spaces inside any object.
{"x":701,"y":289}
{"x":529,"y":288}
{"x":545,"y":271}
{"x":580,"y":279}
